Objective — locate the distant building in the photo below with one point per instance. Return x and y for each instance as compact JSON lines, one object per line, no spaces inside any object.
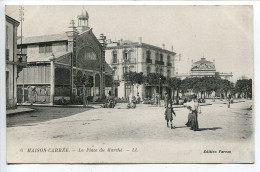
{"x":204,"y":68}
{"x":13,"y":63}
{"x":57,"y":64}
{"x":124,"y":56}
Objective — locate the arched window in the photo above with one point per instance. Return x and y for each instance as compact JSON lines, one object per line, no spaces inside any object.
{"x":114,"y":57}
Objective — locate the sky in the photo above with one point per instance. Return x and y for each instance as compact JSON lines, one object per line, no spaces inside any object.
{"x":220,"y":33}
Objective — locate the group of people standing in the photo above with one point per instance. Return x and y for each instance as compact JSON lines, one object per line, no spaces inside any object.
{"x":193,"y":107}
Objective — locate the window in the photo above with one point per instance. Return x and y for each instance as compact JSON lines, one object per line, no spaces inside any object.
{"x":41,"y":48}
{"x":125,"y":54}
{"x":132,"y":69}
{"x":161,"y":57}
{"x":114,"y":57}
{"x":131,"y":56}
{"x":168,"y":73}
{"x":148,"y":54}
{"x":148,"y":70}
{"x":48,"y":48}
{"x":6,"y":54}
{"x":161,"y":71}
{"x":157,"y":56}
{"x":24,"y":49}
{"x":125,"y":69}
{"x":45,"y":48}
{"x":168,"y":59}
{"x":157,"y":70}
{"x":6,"y":37}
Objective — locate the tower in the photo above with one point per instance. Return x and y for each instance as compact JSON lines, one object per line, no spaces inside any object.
{"x":83,"y":21}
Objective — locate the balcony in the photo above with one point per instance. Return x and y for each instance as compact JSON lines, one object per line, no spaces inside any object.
{"x":169,"y":64}
{"x":159,"y":62}
{"x":114,"y":62}
{"x":128,"y":61}
{"x":149,"y":61}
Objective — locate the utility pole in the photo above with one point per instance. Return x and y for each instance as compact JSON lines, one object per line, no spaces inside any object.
{"x":103,"y":43}
{"x":21,"y":16}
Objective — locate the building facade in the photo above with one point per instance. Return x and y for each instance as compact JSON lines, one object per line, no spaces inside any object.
{"x":13,"y":63}
{"x":58,"y":64}
{"x":204,"y":68}
{"x":126,"y":56}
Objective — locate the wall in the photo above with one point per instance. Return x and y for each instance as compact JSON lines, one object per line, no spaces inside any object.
{"x":11,"y":66}
{"x":39,"y":74}
{"x":33,"y":49}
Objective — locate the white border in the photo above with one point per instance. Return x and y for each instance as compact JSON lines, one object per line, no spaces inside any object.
{"x":127,"y":167}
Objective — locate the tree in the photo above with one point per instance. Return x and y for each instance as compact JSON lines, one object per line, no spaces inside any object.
{"x":134,"y":78}
{"x":175,"y":84}
{"x":244,"y":86}
{"x":83,"y":79}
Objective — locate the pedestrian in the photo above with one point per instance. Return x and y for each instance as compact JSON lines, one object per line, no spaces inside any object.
{"x":228,"y":102}
{"x":168,"y":115}
{"x":166,"y":99}
{"x":194,"y":109}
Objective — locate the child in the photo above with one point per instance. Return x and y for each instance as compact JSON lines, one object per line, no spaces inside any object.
{"x":168,"y":114}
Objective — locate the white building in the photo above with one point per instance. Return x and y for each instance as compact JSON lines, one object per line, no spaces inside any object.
{"x":125,"y":56}
{"x":13,"y":63}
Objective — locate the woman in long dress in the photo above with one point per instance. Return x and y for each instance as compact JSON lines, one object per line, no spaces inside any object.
{"x":194,"y":108}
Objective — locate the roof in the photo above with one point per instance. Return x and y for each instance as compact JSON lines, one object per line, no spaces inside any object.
{"x":44,"y":57}
{"x":11,"y":20}
{"x":44,"y":38}
{"x":203,"y":65}
{"x":108,"y":69}
{"x":203,"y":60}
{"x":129,"y":43}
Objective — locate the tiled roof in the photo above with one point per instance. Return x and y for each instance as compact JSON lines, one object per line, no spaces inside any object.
{"x":44,"y":38}
{"x":44,"y":57}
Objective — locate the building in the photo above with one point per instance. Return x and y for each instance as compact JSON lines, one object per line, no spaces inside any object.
{"x":205,"y":68}
{"x":124,"y":56}
{"x":58,"y":64}
{"x":13,"y":63}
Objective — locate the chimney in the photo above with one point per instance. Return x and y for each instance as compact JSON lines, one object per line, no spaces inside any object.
{"x":172,"y":48}
{"x":140,"y":40}
{"x":163,"y":46}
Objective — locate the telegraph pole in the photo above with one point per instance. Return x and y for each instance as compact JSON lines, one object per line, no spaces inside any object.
{"x":21,"y":15}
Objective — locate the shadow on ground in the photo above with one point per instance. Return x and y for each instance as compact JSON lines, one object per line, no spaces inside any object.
{"x":213,"y":128}
{"x":41,"y":114}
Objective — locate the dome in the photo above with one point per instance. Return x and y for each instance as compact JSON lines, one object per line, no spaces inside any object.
{"x":203,"y":65}
{"x":84,"y":15}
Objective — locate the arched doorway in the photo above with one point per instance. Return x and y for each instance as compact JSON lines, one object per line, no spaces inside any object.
{"x":97,"y":85}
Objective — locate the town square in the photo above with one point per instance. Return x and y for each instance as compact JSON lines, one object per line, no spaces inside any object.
{"x":166,"y":84}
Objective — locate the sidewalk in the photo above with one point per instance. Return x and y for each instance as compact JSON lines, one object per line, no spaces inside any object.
{"x":19,"y":110}
{"x":64,"y":106}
